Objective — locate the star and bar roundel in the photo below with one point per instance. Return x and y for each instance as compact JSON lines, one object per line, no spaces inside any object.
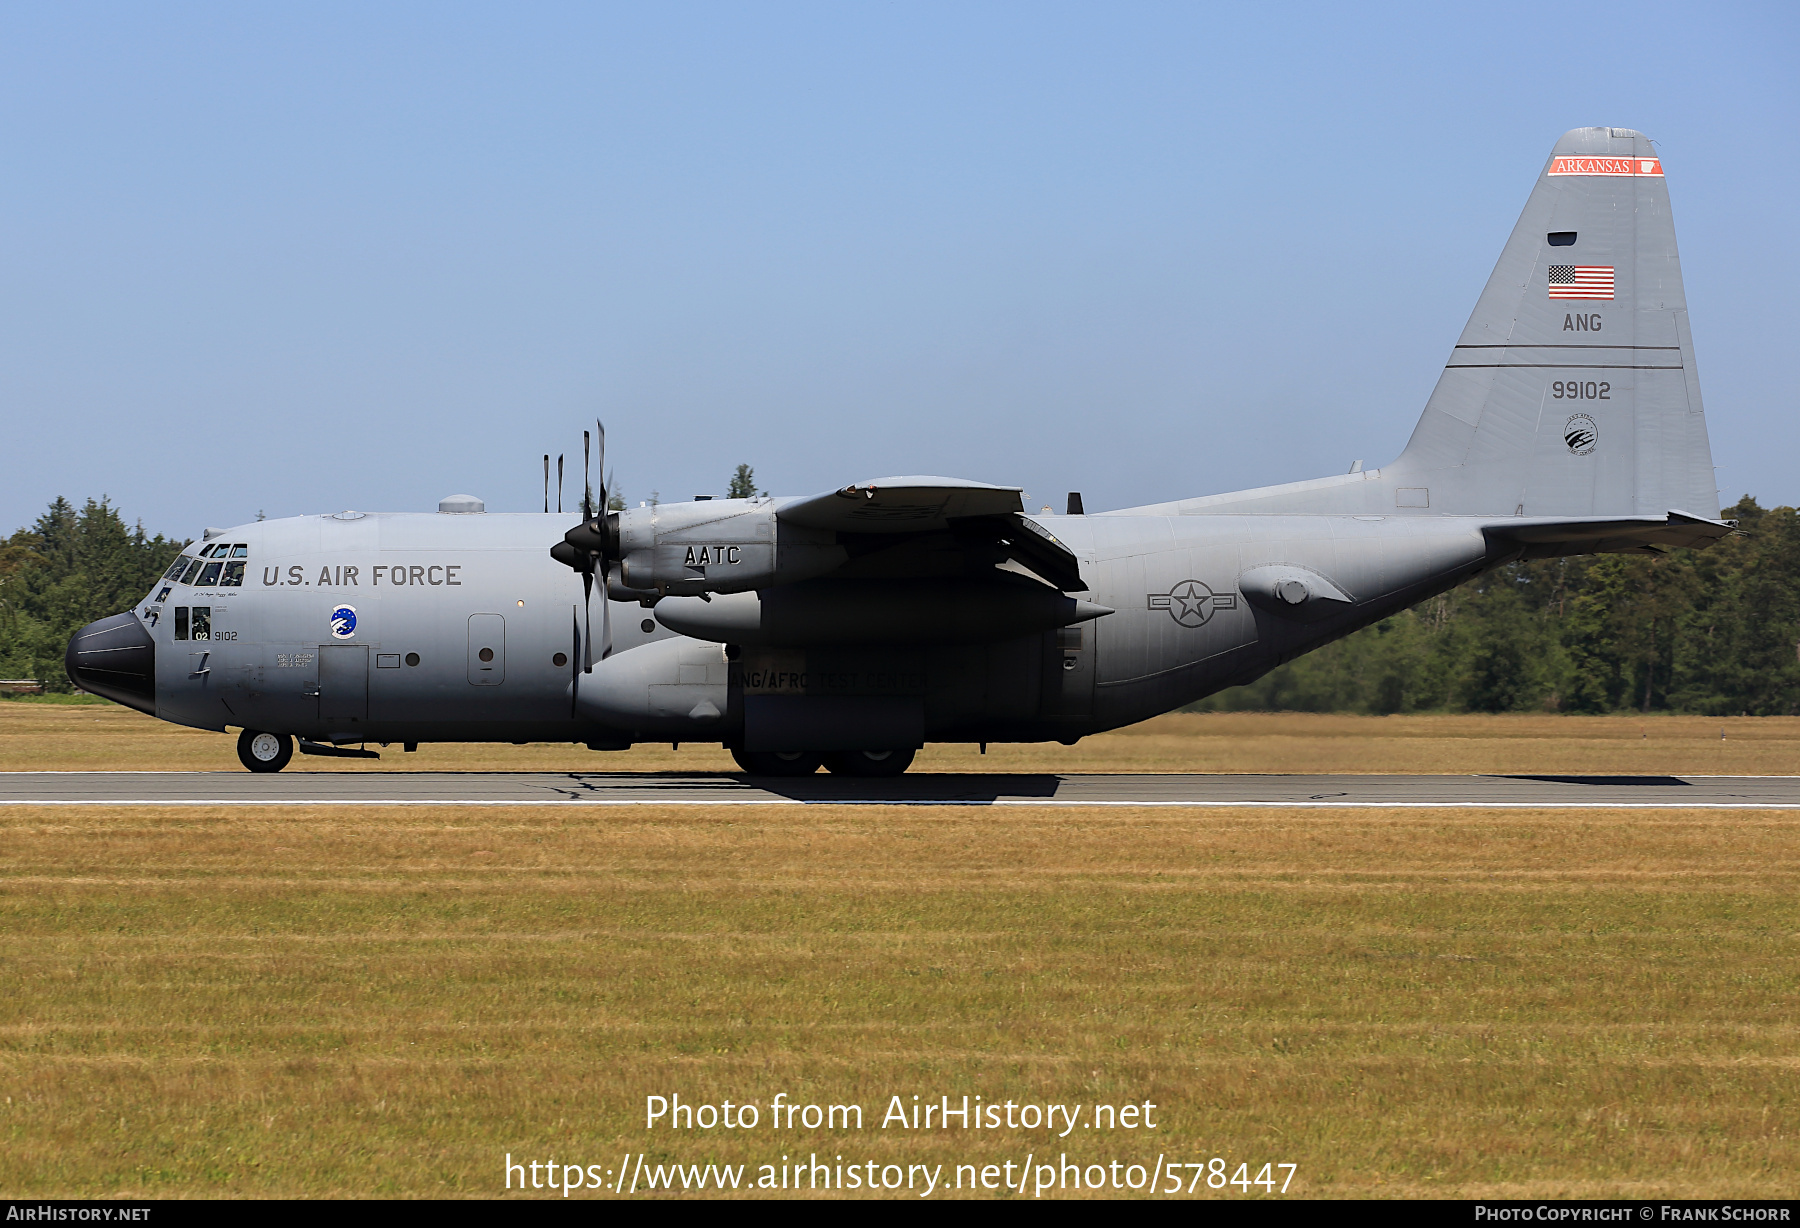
{"x":1191,"y":603}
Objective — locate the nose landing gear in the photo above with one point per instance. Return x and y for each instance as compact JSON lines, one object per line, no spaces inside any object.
{"x":264,"y":752}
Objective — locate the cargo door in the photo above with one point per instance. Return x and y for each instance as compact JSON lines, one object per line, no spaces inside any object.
{"x":487,"y":649}
{"x":343,"y":683}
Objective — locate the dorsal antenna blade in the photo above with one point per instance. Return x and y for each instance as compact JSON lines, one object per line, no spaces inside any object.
{"x":546,"y":481}
{"x":585,"y":513}
{"x":559,"y":484}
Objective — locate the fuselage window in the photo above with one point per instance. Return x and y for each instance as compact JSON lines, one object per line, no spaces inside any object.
{"x":202,"y":622}
{"x":208,"y":577}
{"x":192,"y":571}
{"x":1560,"y":238}
{"x":176,"y":568}
{"x":233,"y":577}
{"x":181,"y":622}
{"x":240,"y":551}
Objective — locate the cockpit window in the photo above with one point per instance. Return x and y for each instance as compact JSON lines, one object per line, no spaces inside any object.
{"x":202,"y":622}
{"x":233,"y":577}
{"x":181,"y":622}
{"x":209,"y":576}
{"x":240,"y":551}
{"x":177,"y":567}
{"x":192,"y":571}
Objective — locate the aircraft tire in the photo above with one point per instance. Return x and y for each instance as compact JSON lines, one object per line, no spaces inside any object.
{"x":264,"y":752}
{"x":869,"y":762}
{"x":776,"y":763}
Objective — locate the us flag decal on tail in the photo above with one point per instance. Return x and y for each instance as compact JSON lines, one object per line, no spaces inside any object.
{"x":1581,"y":281}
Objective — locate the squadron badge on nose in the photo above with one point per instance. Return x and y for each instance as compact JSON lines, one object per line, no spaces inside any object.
{"x":343,"y":622}
{"x":1191,"y":603}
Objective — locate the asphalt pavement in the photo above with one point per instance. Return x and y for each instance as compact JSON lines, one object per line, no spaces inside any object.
{"x":363,"y":788}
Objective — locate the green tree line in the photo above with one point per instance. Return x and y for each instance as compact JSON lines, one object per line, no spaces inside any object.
{"x":69,"y":568}
{"x":1713,"y":631}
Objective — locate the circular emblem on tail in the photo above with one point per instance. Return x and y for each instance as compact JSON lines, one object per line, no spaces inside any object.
{"x":1581,"y":434}
{"x":343,"y":622}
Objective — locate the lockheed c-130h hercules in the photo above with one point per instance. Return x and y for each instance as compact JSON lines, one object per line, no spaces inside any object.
{"x":849,"y":628}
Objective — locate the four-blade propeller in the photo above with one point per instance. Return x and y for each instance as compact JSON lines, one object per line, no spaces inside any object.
{"x":591,"y":547}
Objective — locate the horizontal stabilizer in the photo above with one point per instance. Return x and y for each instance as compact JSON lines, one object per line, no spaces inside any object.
{"x":1549,"y":539}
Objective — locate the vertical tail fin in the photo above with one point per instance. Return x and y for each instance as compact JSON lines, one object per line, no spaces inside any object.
{"x":1573,"y":391}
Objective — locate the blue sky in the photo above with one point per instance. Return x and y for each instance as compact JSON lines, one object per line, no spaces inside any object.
{"x":302,"y":258}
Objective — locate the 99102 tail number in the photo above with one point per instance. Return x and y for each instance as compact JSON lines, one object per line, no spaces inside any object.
{"x":1581,"y":390}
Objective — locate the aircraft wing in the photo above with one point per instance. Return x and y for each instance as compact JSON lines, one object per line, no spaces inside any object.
{"x":925,"y":526}
{"x":1548,"y":538}
{"x":900,"y":505}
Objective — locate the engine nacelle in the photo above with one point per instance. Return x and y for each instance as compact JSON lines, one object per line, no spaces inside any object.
{"x":718,"y":546}
{"x":878,"y":612}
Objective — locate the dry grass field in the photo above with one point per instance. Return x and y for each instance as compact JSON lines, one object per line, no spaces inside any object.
{"x":104,"y":737}
{"x":239,"y":1002}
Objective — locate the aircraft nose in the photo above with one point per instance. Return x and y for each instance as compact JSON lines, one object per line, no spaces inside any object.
{"x":115,"y":657}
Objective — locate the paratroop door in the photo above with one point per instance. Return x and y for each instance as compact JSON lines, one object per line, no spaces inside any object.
{"x":487,"y":649}
{"x":344,"y":682}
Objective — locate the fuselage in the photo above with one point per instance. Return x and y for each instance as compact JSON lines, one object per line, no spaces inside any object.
{"x":461,"y":627}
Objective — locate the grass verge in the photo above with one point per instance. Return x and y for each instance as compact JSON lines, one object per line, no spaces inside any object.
{"x":386,"y":1002}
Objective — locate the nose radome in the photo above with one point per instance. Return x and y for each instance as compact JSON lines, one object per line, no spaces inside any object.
{"x":115,"y":657}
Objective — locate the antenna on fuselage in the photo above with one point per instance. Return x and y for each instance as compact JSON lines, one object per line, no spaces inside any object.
{"x":558,"y":483}
{"x":546,"y":481}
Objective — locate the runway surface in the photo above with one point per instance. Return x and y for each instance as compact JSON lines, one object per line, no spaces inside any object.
{"x":603,"y":788}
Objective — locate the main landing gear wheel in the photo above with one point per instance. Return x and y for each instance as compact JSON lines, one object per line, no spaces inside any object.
{"x":869,"y":762}
{"x":264,"y":752}
{"x":777,"y":762}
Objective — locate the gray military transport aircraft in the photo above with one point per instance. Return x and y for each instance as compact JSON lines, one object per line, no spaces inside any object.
{"x":848,"y":628}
